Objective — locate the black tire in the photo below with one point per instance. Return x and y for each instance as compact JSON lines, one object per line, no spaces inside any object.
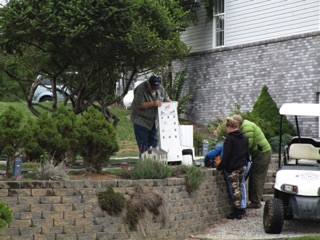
{"x":46,"y":99}
{"x":273,"y":216}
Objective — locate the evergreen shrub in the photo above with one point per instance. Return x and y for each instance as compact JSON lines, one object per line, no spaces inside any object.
{"x":266,"y":109}
{"x":274,"y":142}
{"x":5,"y":214}
{"x":112,"y":202}
{"x":96,"y":139}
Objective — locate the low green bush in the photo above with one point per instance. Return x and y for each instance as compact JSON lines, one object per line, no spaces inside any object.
{"x":5,"y":214}
{"x":274,"y":142}
{"x":150,"y":169}
{"x":194,"y":177}
{"x":112,"y":202}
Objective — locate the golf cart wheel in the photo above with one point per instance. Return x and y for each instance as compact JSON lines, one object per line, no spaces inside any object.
{"x":273,"y":216}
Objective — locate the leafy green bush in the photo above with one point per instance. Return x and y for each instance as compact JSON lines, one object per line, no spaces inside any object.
{"x":5,"y":214}
{"x":150,"y":169}
{"x":112,"y":202}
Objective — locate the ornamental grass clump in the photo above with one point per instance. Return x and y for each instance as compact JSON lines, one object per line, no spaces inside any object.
{"x":150,"y":169}
{"x":143,"y":208}
{"x":48,"y":171}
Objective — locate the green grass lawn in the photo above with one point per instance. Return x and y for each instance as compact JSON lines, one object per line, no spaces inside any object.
{"x":125,"y":135}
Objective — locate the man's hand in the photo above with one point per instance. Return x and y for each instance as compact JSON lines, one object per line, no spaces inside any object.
{"x":157,"y":103}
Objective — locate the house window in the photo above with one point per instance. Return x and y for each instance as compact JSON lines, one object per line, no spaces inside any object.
{"x":219,"y":22}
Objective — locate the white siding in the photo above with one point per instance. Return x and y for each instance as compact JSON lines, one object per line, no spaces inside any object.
{"x":255,"y":20}
{"x":199,"y":36}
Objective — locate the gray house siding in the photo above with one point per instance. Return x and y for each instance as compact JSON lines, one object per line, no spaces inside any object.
{"x":199,"y":36}
{"x":250,"y":21}
{"x":288,"y":66}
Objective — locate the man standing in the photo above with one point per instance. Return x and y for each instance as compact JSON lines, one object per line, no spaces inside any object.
{"x":148,"y":96}
{"x":260,"y":151}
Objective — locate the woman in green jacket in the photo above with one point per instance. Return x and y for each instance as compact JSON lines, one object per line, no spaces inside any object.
{"x":260,"y":151}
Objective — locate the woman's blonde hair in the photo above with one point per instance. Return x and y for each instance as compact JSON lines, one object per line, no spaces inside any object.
{"x":230,"y":122}
{"x":238,"y":118}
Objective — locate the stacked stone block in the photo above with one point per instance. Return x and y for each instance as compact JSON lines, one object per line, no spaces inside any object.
{"x":69,"y":210}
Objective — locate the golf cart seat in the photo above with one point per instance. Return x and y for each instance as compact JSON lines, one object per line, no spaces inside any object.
{"x":309,"y":140}
{"x":304,"y":151}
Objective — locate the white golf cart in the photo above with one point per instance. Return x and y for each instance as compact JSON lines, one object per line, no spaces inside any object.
{"x":297,"y":183}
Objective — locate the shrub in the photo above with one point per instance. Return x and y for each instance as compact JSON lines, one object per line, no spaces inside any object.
{"x":197,"y":141}
{"x":218,"y":127}
{"x":111,"y":202}
{"x":264,"y":125}
{"x":265,"y":108}
{"x":48,"y":136}
{"x":32,"y":148}
{"x":12,"y":135}
{"x":194,"y":177}
{"x":5,"y":214}
{"x":274,"y":142}
{"x":150,"y":169}
{"x":65,"y":121}
{"x":97,"y":139}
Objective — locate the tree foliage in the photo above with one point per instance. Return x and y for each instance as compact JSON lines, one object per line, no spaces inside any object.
{"x":101,"y":41}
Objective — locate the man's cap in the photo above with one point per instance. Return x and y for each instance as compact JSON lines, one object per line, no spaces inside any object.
{"x":154,"y":82}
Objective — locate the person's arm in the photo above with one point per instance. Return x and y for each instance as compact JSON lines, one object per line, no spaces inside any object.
{"x":146,"y":105}
{"x":212,"y":154}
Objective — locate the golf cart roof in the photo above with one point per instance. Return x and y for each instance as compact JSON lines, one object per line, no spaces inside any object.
{"x":300,"y":109}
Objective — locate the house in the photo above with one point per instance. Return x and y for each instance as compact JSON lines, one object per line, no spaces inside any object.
{"x":249,"y":44}
{"x":155,"y":154}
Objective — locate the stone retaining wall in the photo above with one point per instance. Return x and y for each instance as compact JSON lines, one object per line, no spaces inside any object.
{"x":69,"y":210}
